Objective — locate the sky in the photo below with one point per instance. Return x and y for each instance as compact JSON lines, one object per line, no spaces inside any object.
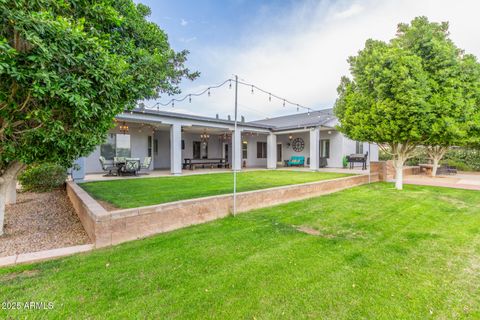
{"x":295,"y":49}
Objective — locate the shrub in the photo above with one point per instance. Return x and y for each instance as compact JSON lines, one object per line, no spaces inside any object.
{"x":43,"y":177}
{"x":463,"y":159}
{"x":383,"y":156}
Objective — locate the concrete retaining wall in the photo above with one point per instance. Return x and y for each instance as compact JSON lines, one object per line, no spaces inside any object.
{"x":109,"y":228}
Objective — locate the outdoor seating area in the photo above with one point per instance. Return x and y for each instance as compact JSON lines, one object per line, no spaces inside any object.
{"x":120,"y":166}
{"x":427,"y":169}
{"x":295,"y":161}
{"x":189,"y":163}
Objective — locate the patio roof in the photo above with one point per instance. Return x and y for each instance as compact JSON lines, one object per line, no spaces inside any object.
{"x":288,"y":122}
{"x":299,"y":120}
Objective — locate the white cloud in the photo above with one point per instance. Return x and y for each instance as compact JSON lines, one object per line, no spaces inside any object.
{"x":351,"y":11}
{"x":187,"y":40}
{"x":183,"y":22}
{"x":302,"y":54}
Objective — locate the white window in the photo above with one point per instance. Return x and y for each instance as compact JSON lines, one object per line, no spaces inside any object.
{"x":116,"y":145}
{"x":359,"y":147}
{"x":325,"y":148}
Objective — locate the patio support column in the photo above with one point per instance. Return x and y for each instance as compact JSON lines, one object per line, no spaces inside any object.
{"x":271,"y":151}
{"x":314,"y":148}
{"x":176,"y":149}
{"x":237,"y":150}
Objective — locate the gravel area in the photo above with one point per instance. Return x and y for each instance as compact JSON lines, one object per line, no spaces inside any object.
{"x":41,"y":221}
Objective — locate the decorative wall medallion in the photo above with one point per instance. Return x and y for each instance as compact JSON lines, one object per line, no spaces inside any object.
{"x":298,"y":144}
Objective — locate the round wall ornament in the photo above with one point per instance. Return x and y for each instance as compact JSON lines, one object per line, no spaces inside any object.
{"x":298,"y":144}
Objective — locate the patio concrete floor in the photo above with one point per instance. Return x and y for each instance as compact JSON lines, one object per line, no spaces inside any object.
{"x":166,"y":173}
{"x":462,"y":180}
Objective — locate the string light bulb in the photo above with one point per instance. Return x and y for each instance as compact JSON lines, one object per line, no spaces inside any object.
{"x":229,"y":81}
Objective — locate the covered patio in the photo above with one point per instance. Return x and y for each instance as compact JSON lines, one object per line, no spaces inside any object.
{"x":169,"y":143}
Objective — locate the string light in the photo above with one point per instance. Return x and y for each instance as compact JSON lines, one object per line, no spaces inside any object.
{"x":229,"y":81}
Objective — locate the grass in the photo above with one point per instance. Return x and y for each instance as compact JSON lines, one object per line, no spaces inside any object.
{"x":378,"y":254}
{"x":132,"y":193}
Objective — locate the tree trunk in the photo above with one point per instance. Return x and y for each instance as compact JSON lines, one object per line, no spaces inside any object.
{"x":398,"y":164}
{"x":435,"y":166}
{"x":7,"y":179}
{"x":2,"y":206}
{"x":11,"y":191}
{"x":436,"y":153}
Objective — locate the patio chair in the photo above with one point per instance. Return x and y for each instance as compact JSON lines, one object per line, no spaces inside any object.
{"x":146,"y":163}
{"x":119,"y":159}
{"x":131,"y":166}
{"x":110,"y":168}
{"x":451,"y":170}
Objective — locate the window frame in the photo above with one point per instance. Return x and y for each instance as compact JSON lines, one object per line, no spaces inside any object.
{"x":261,"y":150}
{"x":325,"y":148}
{"x":245,"y":150}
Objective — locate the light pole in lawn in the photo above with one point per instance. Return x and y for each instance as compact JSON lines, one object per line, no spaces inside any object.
{"x":234,"y":147}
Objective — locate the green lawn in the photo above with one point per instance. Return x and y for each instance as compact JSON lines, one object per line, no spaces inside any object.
{"x":132,"y":193}
{"x":379,"y":254}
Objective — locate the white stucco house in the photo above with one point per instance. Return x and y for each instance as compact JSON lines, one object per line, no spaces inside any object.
{"x":171,"y":139}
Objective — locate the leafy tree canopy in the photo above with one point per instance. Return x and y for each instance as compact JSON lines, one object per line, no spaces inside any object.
{"x":68,"y":67}
{"x":418,"y":88}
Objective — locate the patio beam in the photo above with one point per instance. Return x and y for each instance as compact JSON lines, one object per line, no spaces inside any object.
{"x":314,"y":148}
{"x":272,"y":151}
{"x":176,"y":149}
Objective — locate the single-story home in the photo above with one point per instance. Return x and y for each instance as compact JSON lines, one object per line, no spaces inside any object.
{"x":173,"y":140}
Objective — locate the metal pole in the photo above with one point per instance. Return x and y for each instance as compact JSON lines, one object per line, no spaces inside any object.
{"x":234,"y":151}
{"x":369,"y":168}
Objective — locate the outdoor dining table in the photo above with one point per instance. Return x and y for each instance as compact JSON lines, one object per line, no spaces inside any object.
{"x":121,"y":165}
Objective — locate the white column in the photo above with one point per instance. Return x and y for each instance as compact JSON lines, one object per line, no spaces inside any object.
{"x":314,"y":148}
{"x":152,"y":144}
{"x":271,"y":151}
{"x":176,"y":149}
{"x":237,"y":149}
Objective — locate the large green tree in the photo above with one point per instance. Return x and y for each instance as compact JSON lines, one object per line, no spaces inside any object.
{"x":66,"y":69}
{"x":413,"y":90}
{"x":454,"y":79}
